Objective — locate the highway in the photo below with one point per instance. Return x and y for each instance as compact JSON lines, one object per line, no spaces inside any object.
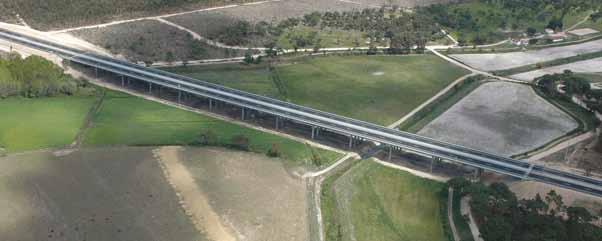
{"x":343,"y":125}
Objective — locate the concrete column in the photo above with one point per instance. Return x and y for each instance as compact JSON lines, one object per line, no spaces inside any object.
{"x":313,"y":132}
{"x":477,"y":173}
{"x":96,"y":71}
{"x":242,"y":117}
{"x":350,"y":142}
{"x":179,"y":96}
{"x":277,"y":122}
{"x":390,"y":152}
{"x":210,"y":104}
{"x":150,"y":87}
{"x":432,"y":161}
{"x":122,"y":81}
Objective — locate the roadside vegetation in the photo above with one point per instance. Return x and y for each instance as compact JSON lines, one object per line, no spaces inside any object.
{"x":500,"y":215}
{"x":478,"y":22}
{"x":128,"y":120}
{"x":550,"y":63}
{"x":373,"y":202}
{"x":379,"y":89}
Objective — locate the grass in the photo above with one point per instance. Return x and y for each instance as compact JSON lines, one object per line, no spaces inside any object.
{"x":439,"y":106}
{"x":541,"y":65}
{"x":591,"y":77}
{"x":128,"y":120}
{"x":29,"y":124}
{"x":386,"y":204}
{"x":379,"y":89}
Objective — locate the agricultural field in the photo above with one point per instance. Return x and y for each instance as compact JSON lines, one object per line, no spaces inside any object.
{"x":585,"y":66}
{"x":150,"y":40}
{"x":501,"y":118}
{"x":379,"y":89}
{"x":374,"y":202}
{"x":255,"y":196}
{"x":501,"y":61}
{"x":95,"y":194}
{"x":127,"y":120}
{"x":29,"y":124}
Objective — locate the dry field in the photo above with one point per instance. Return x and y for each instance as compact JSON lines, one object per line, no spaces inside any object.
{"x":501,"y":118}
{"x":97,"y":194}
{"x":401,"y":3}
{"x":500,"y":61}
{"x":151,"y":40}
{"x":255,"y":197}
{"x":585,"y":66}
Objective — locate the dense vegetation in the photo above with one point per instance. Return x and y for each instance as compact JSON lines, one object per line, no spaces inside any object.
{"x":49,"y":14}
{"x":35,"y":77}
{"x":501,"y":216}
{"x":402,"y":30}
{"x":483,"y":21}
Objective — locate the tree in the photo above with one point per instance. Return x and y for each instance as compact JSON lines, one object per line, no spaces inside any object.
{"x":531,"y":31}
{"x":248,"y":57}
{"x":169,"y":57}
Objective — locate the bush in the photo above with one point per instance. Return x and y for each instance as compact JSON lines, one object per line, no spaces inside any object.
{"x":208,"y":138}
{"x":274,"y":151}
{"x":240,"y":142}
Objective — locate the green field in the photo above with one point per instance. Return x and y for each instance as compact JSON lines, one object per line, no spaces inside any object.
{"x":128,"y":120}
{"x":373,"y":202}
{"x":379,"y":89}
{"x":29,"y":124}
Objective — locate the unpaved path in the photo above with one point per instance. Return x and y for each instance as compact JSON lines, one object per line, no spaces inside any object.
{"x":450,"y":216}
{"x":465,"y":210}
{"x":192,"y":199}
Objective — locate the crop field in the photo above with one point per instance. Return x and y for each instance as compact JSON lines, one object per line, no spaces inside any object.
{"x":96,"y":194}
{"x":501,"y":118}
{"x":373,"y":202}
{"x":379,"y":89}
{"x":255,"y":196}
{"x":500,"y":61}
{"x":128,"y":120}
{"x":29,"y":124}
{"x":585,"y":66}
{"x":152,"y":40}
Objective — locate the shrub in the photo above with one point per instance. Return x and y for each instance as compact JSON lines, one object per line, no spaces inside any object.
{"x":274,"y":151}
{"x":240,"y":142}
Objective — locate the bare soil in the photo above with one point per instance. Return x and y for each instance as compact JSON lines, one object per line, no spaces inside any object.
{"x":500,"y":61}
{"x":501,"y":118}
{"x":255,"y":196}
{"x":528,"y":189}
{"x":151,"y":40}
{"x":94,"y":194}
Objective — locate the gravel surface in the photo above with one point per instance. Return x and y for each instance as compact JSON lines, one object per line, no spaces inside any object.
{"x":493,"y":61}
{"x":501,"y":118}
{"x":586,"y":66}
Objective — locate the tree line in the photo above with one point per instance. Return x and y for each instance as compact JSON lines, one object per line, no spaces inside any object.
{"x":502,"y":216}
{"x":34,"y":77}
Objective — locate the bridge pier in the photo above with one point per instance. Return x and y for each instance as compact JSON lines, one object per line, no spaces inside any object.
{"x":242,"y":116}
{"x":96,"y":71}
{"x":350,"y":142}
{"x":122,"y":81}
{"x":210,"y":104}
{"x":478,"y":172}
{"x":150,"y":87}
{"x":179,"y":94}
{"x":390,"y":153}
{"x":313,"y":132}
{"x":277,"y":122}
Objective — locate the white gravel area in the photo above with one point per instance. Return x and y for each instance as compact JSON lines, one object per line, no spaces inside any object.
{"x":585,"y":66}
{"x":583,"y":31}
{"x":499,"y":61}
{"x":501,"y":118}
